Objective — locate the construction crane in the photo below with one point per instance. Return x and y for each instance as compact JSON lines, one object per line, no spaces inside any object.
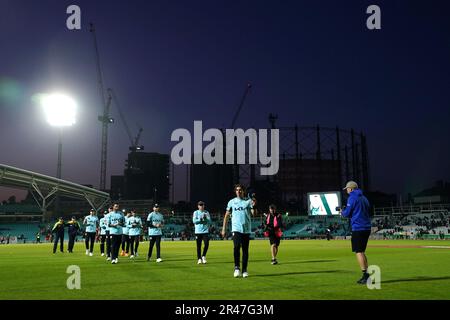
{"x":105,"y":119}
{"x":236,"y":175}
{"x":247,"y":90}
{"x":133,"y":141}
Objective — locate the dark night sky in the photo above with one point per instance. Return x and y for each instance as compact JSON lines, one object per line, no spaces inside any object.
{"x":173,"y":62}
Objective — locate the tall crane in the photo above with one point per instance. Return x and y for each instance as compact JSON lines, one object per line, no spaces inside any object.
{"x":105,"y":118}
{"x":236,"y":175}
{"x":244,"y":96}
{"x":134,"y":142}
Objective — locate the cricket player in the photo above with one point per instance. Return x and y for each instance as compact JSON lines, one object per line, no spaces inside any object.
{"x":134,"y":227}
{"x":116,"y":221}
{"x":125,"y":237}
{"x":103,"y":227}
{"x":240,"y":209}
{"x":201,"y":220}
{"x":155,"y":223}
{"x":91,"y":223}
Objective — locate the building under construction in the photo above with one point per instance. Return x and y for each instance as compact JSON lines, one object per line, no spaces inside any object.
{"x":146,"y":176}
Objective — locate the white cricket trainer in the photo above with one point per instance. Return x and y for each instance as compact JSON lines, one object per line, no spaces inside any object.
{"x":90,"y":254}
{"x":203,"y":259}
{"x":87,"y":252}
{"x":199,"y":261}
{"x":237,"y":273}
{"x":244,"y":274}
{"x":159,"y":260}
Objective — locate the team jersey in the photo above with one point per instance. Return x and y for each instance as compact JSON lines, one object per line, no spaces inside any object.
{"x":134,"y":226}
{"x":116,"y":221}
{"x":106,"y":222}
{"x":201,"y":220}
{"x":125,"y":226}
{"x":91,"y":223}
{"x":153,"y":219}
{"x":103,"y":225}
{"x":240,"y":214}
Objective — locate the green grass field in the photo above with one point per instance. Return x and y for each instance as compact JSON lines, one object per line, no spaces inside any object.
{"x":308,"y":269}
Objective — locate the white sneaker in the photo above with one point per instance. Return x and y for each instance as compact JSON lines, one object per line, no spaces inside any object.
{"x":87,"y":252}
{"x":90,"y":254}
{"x":244,"y":274}
{"x":203,"y":259}
{"x":199,"y":261}
{"x":108,"y":259}
{"x":117,"y":260}
{"x":159,"y":260}
{"x":113,"y":261}
{"x":131,"y":257}
{"x":237,"y":273}
{"x":136,"y":254}
{"x":103,"y":254}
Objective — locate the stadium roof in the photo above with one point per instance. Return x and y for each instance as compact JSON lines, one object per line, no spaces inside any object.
{"x":45,"y":188}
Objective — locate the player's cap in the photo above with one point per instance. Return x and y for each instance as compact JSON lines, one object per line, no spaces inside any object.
{"x":351,"y":184}
{"x":200,"y":203}
{"x":156,"y":205}
{"x":272,"y":206}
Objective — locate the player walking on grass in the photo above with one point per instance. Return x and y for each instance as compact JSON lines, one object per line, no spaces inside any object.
{"x":241,"y":210}
{"x":155,"y":222}
{"x":115,"y":223}
{"x":358,"y":210}
{"x":58,"y":229}
{"x":108,"y":235}
{"x":201,"y":220}
{"x":73,"y":228}
{"x":125,"y":237}
{"x":91,"y":223}
{"x":273,"y":225}
{"x":103,"y":228}
{"x":134,"y":227}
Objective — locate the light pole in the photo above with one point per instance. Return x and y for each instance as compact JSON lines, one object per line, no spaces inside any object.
{"x":60,"y":111}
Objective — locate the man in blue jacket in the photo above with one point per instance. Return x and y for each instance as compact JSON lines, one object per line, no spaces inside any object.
{"x":358,"y":210}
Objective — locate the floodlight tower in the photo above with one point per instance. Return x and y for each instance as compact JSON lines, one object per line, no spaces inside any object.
{"x":60,"y":111}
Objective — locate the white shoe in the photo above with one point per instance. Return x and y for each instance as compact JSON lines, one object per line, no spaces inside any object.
{"x":131,"y":257}
{"x":159,"y":260}
{"x":237,"y":273}
{"x":113,"y":261}
{"x":87,"y":252}
{"x":90,"y":254}
{"x":199,"y":261}
{"x":108,"y":259}
{"x":203,"y":259}
{"x":117,"y":260}
{"x":244,"y":274}
{"x":136,"y":254}
{"x":103,"y":254}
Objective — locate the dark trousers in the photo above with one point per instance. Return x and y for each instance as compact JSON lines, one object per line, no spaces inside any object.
{"x":72,"y":237}
{"x":102,"y":243}
{"x":90,"y":236}
{"x":241,"y":240}
{"x":199,"y":238}
{"x":58,"y":237}
{"x":134,"y":241}
{"x":153,"y":240}
{"x":108,"y":244}
{"x":115,"y":245}
{"x":125,"y":243}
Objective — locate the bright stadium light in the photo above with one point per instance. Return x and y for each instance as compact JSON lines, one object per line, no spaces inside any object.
{"x":59,"y":109}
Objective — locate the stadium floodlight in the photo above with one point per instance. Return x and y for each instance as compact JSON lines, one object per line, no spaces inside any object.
{"x":59,"y":109}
